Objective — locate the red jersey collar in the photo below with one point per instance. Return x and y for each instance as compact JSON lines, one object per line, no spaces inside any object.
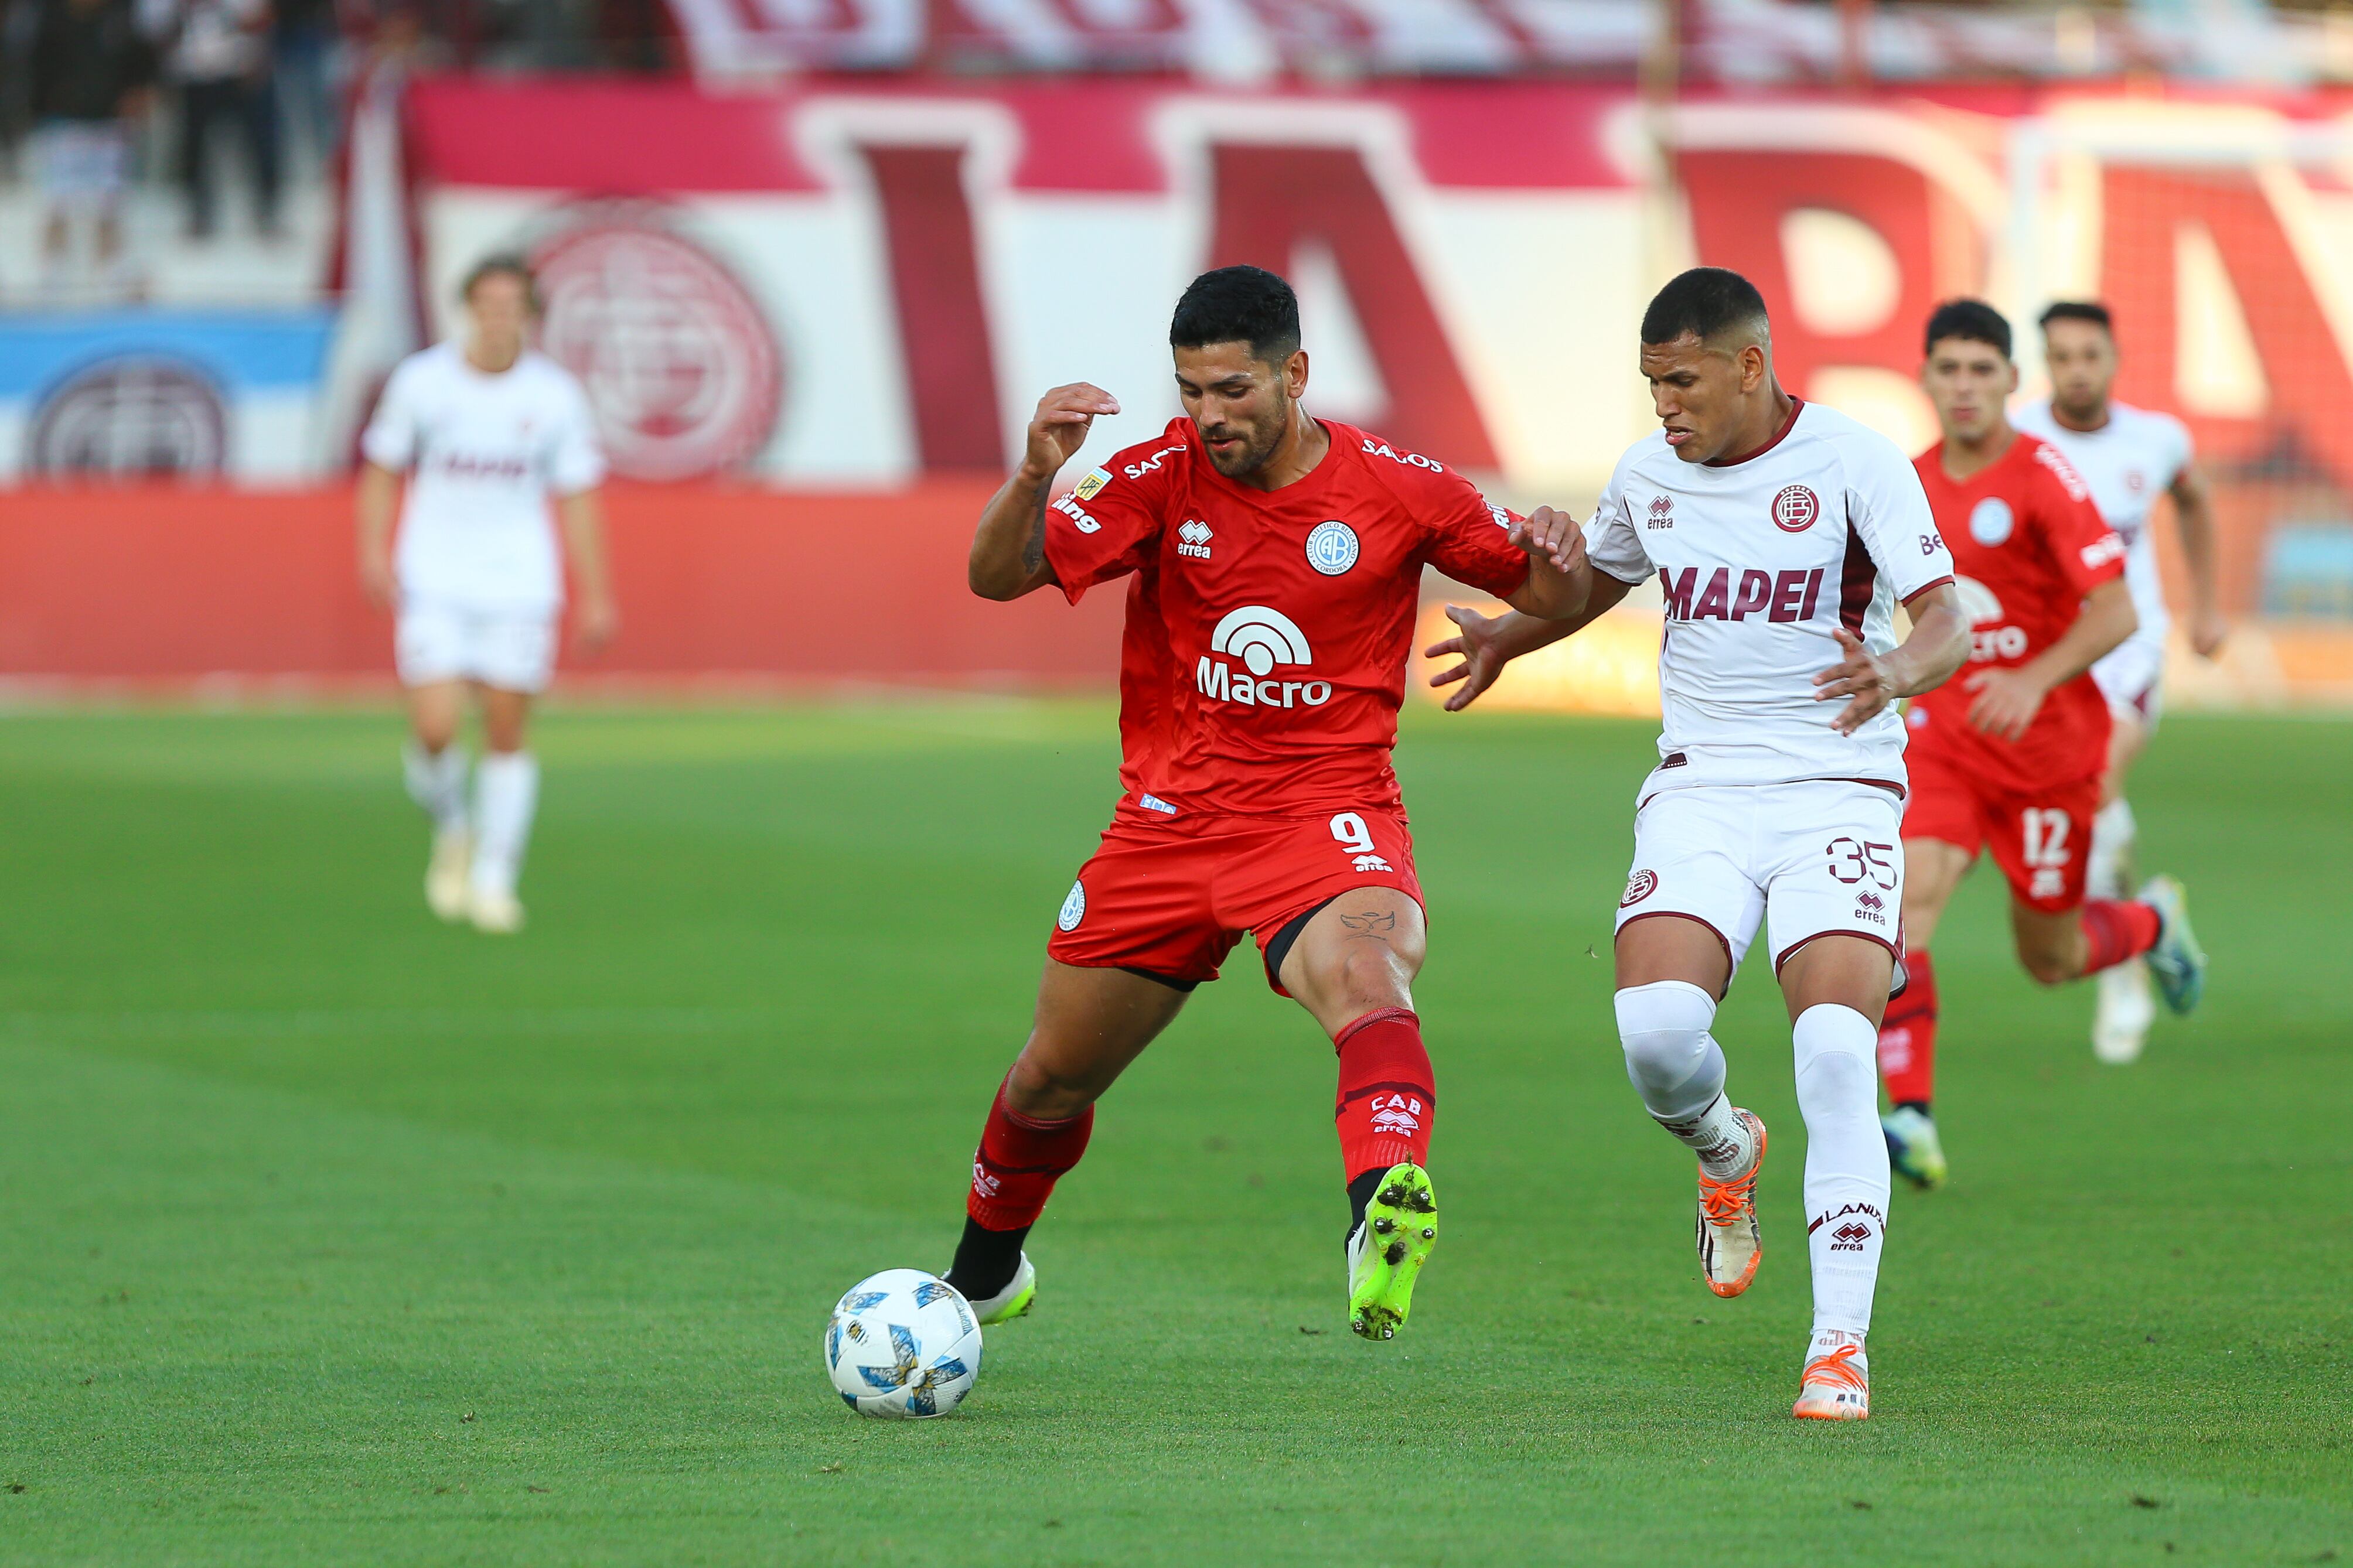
{"x":1797,"y":407}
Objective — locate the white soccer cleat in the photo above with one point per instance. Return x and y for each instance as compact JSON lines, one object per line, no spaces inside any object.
{"x":1730,"y":1245}
{"x":1836,"y":1386}
{"x":446,"y":876}
{"x":493,"y":911}
{"x":2120,"y":1027}
{"x":1020,"y":1293}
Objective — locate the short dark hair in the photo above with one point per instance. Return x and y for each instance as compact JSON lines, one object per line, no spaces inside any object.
{"x":1239,"y":305}
{"x":2090,"y":311}
{"x":500,"y":264}
{"x":1971,"y":321}
{"x":1706,"y":302}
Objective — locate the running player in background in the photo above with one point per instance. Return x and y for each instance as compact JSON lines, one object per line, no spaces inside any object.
{"x":2129,"y":457}
{"x":1783,"y":534}
{"x":487,"y":430}
{"x":1274,"y":565}
{"x":2009,"y":757}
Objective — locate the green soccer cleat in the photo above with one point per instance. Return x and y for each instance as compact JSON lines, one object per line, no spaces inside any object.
{"x":1386,"y":1251}
{"x":2177,"y":962}
{"x":1913,"y":1148}
{"x":1011,"y":1303}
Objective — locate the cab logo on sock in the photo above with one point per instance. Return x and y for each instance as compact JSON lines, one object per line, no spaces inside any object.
{"x":982,"y":1181}
{"x":1638,"y":886}
{"x":1397,"y":1113}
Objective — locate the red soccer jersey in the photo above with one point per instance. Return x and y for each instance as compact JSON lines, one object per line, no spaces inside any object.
{"x":2028,"y":544}
{"x":1264,"y":657}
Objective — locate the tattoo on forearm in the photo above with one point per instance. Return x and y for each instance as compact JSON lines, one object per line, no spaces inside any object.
{"x":1033,"y":549}
{"x":1374,"y":923}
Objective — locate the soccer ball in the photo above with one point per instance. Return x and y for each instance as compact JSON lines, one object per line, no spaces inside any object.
{"x":903,"y":1343}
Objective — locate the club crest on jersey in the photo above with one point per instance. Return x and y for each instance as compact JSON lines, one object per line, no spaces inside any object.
{"x":1075,"y":908}
{"x":1086,"y":487}
{"x":1990,"y":521}
{"x":1332,"y":548}
{"x":1638,"y":886}
{"x":1795,"y":509}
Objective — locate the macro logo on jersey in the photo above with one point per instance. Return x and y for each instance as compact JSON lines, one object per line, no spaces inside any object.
{"x":1788,"y":596}
{"x":1075,"y":908}
{"x":1193,"y":538}
{"x":131,"y":414}
{"x":1638,"y":886}
{"x":1990,"y":521}
{"x":1332,"y":548}
{"x":1988,"y":639}
{"x":1795,"y":509}
{"x":1261,"y":638}
{"x":677,"y":357}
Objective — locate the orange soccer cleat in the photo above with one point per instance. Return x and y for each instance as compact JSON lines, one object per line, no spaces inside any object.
{"x":1729,"y":1244}
{"x":1835,"y":1387}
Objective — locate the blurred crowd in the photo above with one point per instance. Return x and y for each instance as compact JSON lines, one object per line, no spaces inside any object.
{"x":194,"y":94}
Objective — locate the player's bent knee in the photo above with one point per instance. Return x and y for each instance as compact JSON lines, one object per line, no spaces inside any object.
{"x":1037,"y":1087}
{"x":1664,"y":1027}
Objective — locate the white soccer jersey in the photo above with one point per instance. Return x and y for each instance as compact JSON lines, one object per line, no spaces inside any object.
{"x":2128,"y":462}
{"x":1760,"y":560}
{"x":487,"y":453}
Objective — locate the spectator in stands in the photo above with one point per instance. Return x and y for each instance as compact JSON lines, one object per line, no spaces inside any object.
{"x":305,"y":45}
{"x":91,"y":74}
{"x":220,"y":58}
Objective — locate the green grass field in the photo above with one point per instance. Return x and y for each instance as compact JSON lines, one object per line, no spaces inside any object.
{"x":335,"y":1236}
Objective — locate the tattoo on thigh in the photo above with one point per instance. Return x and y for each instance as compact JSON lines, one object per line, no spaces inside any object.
{"x":1375,"y":923}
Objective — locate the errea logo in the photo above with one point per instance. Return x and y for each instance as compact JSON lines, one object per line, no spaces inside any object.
{"x":1193,"y":539}
{"x":1261,"y":639}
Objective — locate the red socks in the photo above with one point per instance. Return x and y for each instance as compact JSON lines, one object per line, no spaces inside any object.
{"x":2115,"y":929}
{"x":1907,"y":1039}
{"x":1386,"y":1103}
{"x":1020,"y":1160}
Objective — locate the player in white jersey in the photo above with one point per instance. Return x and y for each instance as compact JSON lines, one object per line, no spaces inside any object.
{"x":2129,"y":457}
{"x":1783,"y":534}
{"x":487,"y":431}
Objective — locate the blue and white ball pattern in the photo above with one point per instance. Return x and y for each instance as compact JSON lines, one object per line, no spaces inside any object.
{"x":904,"y":1344}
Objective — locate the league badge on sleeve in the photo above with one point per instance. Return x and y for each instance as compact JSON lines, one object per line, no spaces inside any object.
{"x":1087,"y":488}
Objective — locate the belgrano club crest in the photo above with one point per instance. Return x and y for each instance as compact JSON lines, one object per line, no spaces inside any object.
{"x":678,"y":359}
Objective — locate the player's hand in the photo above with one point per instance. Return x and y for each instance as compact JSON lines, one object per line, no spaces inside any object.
{"x":598,"y":624}
{"x":1060,"y":426}
{"x":2007,"y":703}
{"x":1475,"y":645}
{"x":377,"y":584}
{"x":1861,"y":678}
{"x":2208,"y":633}
{"x":1550,"y":535}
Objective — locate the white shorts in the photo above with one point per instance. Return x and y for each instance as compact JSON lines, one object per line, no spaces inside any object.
{"x":1820,"y":857}
{"x":2131,"y":676}
{"x":513,"y":651}
{"x":79,"y":164}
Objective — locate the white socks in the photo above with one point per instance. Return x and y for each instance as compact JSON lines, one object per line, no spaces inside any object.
{"x":506,"y":793}
{"x":2110,"y":867}
{"x":436,"y":782}
{"x":1677,"y":1067}
{"x":1846,"y":1164}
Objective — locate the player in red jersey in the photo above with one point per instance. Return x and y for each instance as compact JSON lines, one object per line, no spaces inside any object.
{"x":2009,"y":758}
{"x":1274,"y":566}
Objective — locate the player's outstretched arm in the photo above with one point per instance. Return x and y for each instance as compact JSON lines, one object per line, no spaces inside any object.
{"x":2193,"y":517}
{"x":1008,"y":547}
{"x":1560,"y":576}
{"x":2008,"y":700}
{"x":378,"y":499}
{"x":1485,"y":644}
{"x":1922,"y":662}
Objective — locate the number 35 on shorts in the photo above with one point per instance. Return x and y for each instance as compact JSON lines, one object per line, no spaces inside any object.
{"x":1355,"y":839}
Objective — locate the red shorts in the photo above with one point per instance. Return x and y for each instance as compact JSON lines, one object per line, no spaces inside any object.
{"x":1171,"y":895}
{"x":2042,"y":841}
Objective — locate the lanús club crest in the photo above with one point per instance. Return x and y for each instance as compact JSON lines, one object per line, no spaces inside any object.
{"x":1795,"y":509}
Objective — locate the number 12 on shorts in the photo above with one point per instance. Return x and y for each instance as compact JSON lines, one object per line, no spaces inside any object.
{"x":2044,"y":831}
{"x":1348,"y":830}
